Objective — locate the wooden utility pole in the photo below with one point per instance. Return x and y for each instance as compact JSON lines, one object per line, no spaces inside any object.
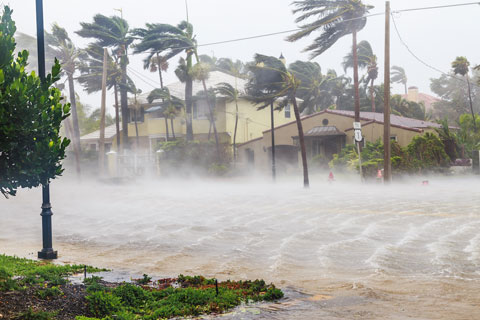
{"x":272,"y":132}
{"x":387,"y":173}
{"x":101,"y":147}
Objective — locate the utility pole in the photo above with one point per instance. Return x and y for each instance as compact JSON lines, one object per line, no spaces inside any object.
{"x":274,"y":170}
{"x":101,"y":147}
{"x":47,"y":251}
{"x":387,"y":172}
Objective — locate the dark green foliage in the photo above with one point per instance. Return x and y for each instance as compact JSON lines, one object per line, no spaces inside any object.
{"x":49,"y":292}
{"x":273,"y":294}
{"x":6,"y":281}
{"x":131,"y":295}
{"x":428,"y":152}
{"x":31,"y":114}
{"x":102,"y":303}
{"x":35,"y":315}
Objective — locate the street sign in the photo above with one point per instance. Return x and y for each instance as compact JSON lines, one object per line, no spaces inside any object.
{"x":357,"y":125}
{"x":358,"y":135}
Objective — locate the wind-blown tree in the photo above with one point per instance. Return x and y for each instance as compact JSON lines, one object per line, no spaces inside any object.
{"x":31,"y":114}
{"x":399,"y":76}
{"x":169,"y":41}
{"x":171,"y":104}
{"x":226,"y":90}
{"x":334,"y":19}
{"x":366,"y":59}
{"x":461,"y":66}
{"x":315,"y":88}
{"x":271,"y":81}
{"x":113,"y":32}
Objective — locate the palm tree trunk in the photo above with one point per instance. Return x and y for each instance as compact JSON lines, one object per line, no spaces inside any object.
{"x":188,"y":98}
{"x":301,"y":139}
{"x":69,"y":132}
{"x":117,"y":117}
{"x":124,"y":98}
{"x":372,"y":89}
{"x":73,"y":102}
{"x":471,"y":104}
{"x":166,"y":126}
{"x":355,"y":77}
{"x":159,"y":71}
{"x":235,"y":133}
{"x":173,"y":129}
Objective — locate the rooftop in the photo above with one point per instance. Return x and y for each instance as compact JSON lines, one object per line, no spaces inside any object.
{"x":110,"y":132}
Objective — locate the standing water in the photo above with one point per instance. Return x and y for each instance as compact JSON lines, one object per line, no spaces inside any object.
{"x":340,"y":250}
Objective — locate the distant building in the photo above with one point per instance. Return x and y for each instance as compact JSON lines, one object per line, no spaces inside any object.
{"x":90,"y":141}
{"x":326,"y":133}
{"x":415,"y":96}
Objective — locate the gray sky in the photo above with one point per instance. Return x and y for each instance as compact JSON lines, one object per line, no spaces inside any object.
{"x":436,"y":36}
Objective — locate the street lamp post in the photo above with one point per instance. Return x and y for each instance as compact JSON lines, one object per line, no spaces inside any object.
{"x":47,"y":251}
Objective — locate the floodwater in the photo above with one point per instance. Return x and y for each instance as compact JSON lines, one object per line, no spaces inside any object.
{"x":340,"y":251}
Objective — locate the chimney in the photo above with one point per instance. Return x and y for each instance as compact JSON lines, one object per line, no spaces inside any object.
{"x":412,"y":94}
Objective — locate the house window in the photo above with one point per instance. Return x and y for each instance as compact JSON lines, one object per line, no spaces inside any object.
{"x":139,"y":114}
{"x":325,"y":122}
{"x":287,"y":111}
{"x":393,"y":138}
{"x":200,"y":110}
{"x":316,"y":147}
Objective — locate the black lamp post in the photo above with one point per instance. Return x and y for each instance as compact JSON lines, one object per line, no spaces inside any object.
{"x":47,"y":251}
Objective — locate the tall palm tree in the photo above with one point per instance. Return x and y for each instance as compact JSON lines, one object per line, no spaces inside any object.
{"x":461,"y":66}
{"x":171,"y":104}
{"x":113,"y":32}
{"x":334,"y":19}
{"x":68,"y":55}
{"x":271,"y":81}
{"x":366,"y":59}
{"x":91,"y":70}
{"x":231,"y":94}
{"x":399,"y":76}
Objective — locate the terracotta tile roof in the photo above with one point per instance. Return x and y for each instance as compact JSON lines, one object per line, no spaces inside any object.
{"x":324,"y":131}
{"x":427,"y":100}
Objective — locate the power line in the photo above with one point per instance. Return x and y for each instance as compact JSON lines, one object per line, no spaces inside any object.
{"x":437,"y":7}
{"x":419,"y":59}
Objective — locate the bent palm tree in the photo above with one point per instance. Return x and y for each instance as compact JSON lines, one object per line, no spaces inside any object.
{"x":366,"y":59}
{"x":335,"y":19}
{"x":231,"y":94}
{"x":171,"y":104}
{"x":461,"y":66}
{"x":271,"y":81}
{"x":399,"y":76}
{"x":113,"y":32}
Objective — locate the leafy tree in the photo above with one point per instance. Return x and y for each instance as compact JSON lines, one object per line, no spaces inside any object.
{"x":461,"y":66}
{"x":113,"y":32}
{"x":271,"y":81}
{"x":31,"y":114}
{"x":448,"y":138}
{"x":399,"y":76}
{"x":428,"y":151}
{"x":335,"y":19}
{"x":410,"y":109}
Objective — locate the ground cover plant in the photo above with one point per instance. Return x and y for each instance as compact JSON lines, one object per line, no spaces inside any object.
{"x":39,"y":290}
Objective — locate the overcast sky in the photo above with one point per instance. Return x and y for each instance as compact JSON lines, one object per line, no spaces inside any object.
{"x":436,"y":36}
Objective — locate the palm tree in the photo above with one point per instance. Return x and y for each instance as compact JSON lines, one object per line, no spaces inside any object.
{"x":271,"y":81}
{"x":169,"y":41}
{"x":171,"y":104}
{"x":399,"y":76}
{"x":91,"y":69}
{"x":336,"y":18}
{"x":113,"y":32}
{"x":231,"y":94}
{"x":315,"y":88}
{"x":461,"y":66}
{"x":68,"y":55}
{"x":366,"y":59}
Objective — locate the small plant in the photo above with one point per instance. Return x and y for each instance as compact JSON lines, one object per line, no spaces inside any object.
{"x":49,"y":293}
{"x":131,"y":295}
{"x":145,"y":280}
{"x":6,"y":281}
{"x":30,"y":314}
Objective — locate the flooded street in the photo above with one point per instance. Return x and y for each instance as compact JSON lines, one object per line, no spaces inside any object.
{"x":340,"y":251}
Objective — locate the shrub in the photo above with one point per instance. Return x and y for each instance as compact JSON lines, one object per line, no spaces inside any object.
{"x":102,"y":304}
{"x":131,"y":295}
{"x":49,"y":292}
{"x":30,"y":314}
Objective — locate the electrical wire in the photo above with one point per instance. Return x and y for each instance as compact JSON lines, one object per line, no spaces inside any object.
{"x":437,"y":7}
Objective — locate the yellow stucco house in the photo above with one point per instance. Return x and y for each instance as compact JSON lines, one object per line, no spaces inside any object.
{"x":251,"y":122}
{"x":326,"y":133}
